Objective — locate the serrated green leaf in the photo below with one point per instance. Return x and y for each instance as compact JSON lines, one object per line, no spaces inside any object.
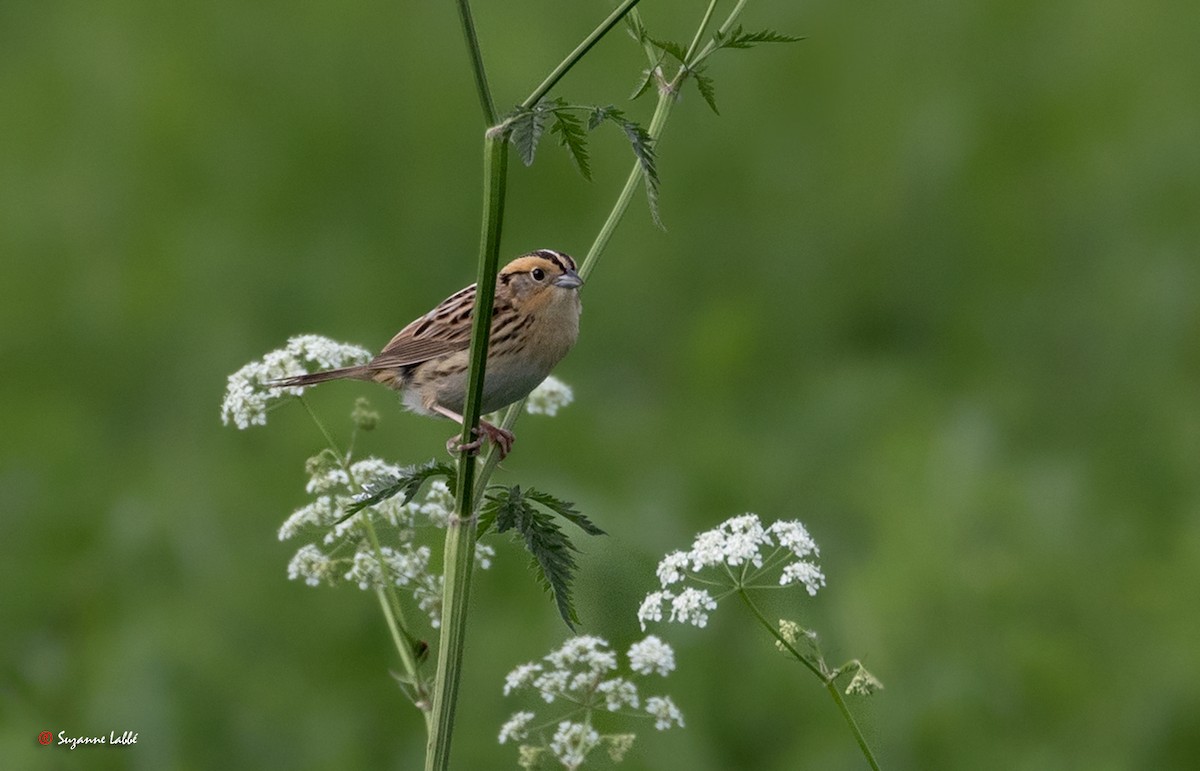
{"x":525,"y":130}
{"x":550,"y":550}
{"x":707,"y":90}
{"x":633,"y":24}
{"x":643,"y":149}
{"x":504,"y":509}
{"x":572,"y":136}
{"x":676,"y":50}
{"x":598,"y":115}
{"x":408,"y":484}
{"x":648,"y":77}
{"x":739,"y":38}
{"x":564,"y":509}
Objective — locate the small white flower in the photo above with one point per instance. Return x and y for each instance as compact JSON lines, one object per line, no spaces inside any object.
{"x":863,"y":683}
{"x":407,"y":564}
{"x":428,"y":594}
{"x":324,"y":473}
{"x":484,"y":555}
{"x":319,"y":512}
{"x":670,"y":570}
{"x":587,"y":650}
{"x":664,"y":712}
{"x":370,"y":472}
{"x":692,"y":606}
{"x":790,"y":631}
{"x":365,"y":570}
{"x":520,"y":677}
{"x":529,"y":756}
{"x":582,"y":682}
{"x":708,"y":549}
{"x":651,"y":655}
{"x":617,"y":693}
{"x":619,"y":745}
{"x":438,"y":505}
{"x":549,"y":397}
{"x":249,"y":393}
{"x":651,"y":608}
{"x":516,"y":727}
{"x":572,"y":742}
{"x":803,"y":572}
{"x":793,"y":535}
{"x":552,"y":684}
{"x":311,"y":564}
{"x":744,"y":537}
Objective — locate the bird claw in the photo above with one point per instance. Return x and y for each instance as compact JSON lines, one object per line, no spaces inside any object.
{"x":498,"y":436}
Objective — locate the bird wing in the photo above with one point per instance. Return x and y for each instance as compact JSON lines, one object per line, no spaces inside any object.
{"x":444,"y":330}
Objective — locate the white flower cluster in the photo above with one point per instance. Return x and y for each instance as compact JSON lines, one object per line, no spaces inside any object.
{"x":250,"y":394}
{"x":583,"y":673}
{"x":736,"y":554}
{"x":549,"y":397}
{"x":346,"y":552}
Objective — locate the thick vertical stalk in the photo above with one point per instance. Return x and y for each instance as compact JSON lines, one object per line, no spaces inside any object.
{"x":460,"y":532}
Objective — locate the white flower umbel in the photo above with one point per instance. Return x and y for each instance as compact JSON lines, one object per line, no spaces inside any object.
{"x":734,"y":558}
{"x":516,"y":726}
{"x":311,"y":564}
{"x":736,"y":555}
{"x":250,"y":393}
{"x":651,"y":655}
{"x":572,"y":742}
{"x":344,"y":549}
{"x":585,"y":675}
{"x":552,"y":395}
{"x":664,"y":712}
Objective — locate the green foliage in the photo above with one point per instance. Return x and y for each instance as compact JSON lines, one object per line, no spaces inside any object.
{"x":649,"y":75}
{"x":526,"y":125}
{"x":525,"y":128}
{"x":707,"y":90}
{"x":564,"y":509}
{"x":738,"y":38}
{"x":508,"y":508}
{"x":677,"y":51}
{"x":572,"y":136}
{"x":408,"y":484}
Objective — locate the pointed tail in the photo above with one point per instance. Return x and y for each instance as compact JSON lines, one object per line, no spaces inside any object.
{"x":312,"y":378}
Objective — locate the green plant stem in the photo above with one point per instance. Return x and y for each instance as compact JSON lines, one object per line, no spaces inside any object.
{"x":708,"y":13}
{"x":481,"y":81}
{"x":724,"y":29}
{"x":826,"y":678}
{"x":393,"y":611}
{"x":460,"y":531}
{"x":658,"y":122}
{"x":572,"y":58}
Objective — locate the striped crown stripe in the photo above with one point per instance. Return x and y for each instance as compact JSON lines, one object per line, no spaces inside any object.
{"x":563,"y":261}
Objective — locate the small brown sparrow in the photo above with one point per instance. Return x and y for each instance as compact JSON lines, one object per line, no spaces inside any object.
{"x":535,"y":321}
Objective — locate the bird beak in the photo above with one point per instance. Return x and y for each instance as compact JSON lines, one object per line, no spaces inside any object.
{"x":568,"y":280}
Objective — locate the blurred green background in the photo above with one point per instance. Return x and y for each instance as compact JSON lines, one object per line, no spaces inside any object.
{"x":929,"y":284}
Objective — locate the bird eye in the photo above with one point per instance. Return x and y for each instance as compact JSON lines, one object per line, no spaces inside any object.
{"x":538,"y":274}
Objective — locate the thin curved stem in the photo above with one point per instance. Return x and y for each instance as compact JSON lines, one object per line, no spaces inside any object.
{"x":826,"y":678}
{"x":481,"y":81}
{"x":572,"y":58}
{"x":708,"y":13}
{"x":392,"y":609}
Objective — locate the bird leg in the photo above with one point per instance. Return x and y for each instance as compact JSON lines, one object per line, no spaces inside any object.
{"x":499,"y":437}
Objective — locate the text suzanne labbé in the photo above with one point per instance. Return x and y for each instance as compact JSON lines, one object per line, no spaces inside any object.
{"x":129,"y":737}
